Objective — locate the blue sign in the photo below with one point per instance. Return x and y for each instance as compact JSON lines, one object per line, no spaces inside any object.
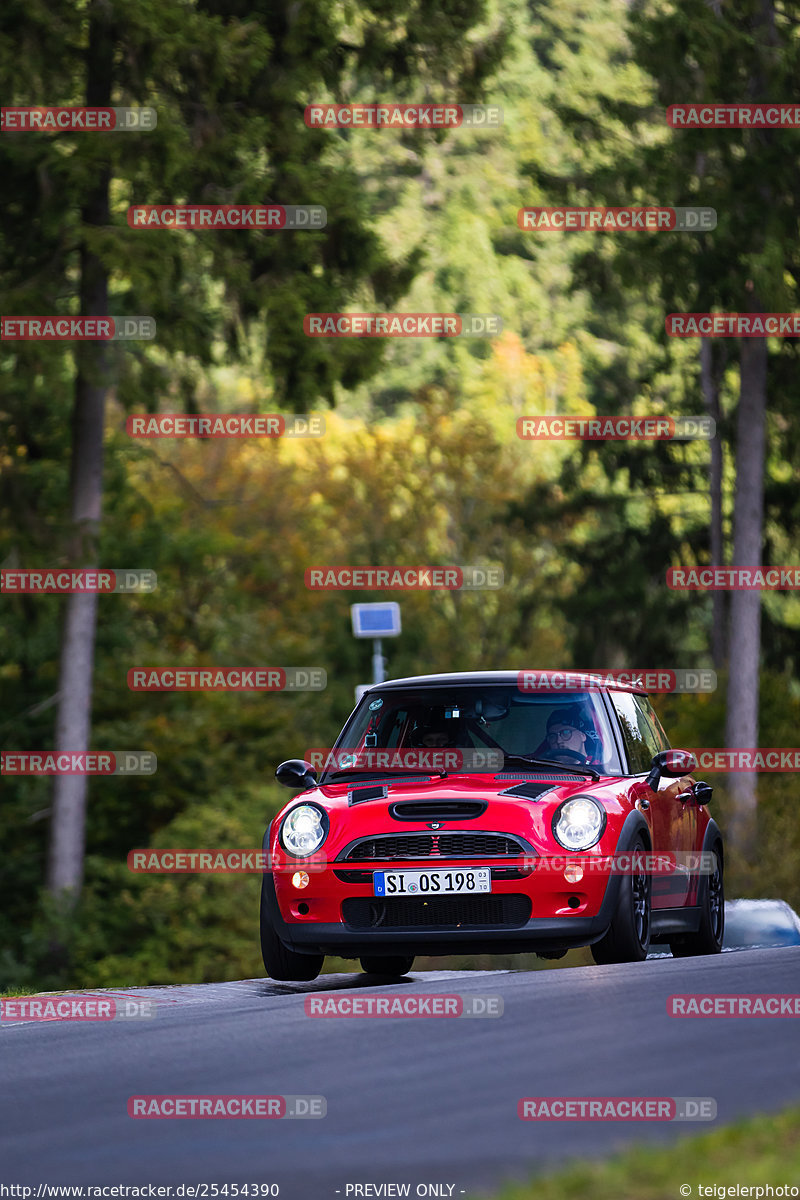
{"x":376,"y":620}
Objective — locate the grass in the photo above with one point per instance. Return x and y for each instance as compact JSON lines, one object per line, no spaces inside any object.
{"x":764,"y":1150}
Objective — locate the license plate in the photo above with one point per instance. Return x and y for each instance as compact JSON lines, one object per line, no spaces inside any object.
{"x":432,"y":883}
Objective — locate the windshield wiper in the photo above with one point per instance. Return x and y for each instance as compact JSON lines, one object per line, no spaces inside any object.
{"x":511,"y":760}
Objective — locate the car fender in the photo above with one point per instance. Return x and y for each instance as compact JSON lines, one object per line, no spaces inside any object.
{"x":633,"y":825}
{"x":712,"y":837}
{"x":713,"y":834}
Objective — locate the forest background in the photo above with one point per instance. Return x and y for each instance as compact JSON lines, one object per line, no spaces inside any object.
{"x":420,"y":462}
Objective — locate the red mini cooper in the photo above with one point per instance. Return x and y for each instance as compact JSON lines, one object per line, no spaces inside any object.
{"x":463,"y":814}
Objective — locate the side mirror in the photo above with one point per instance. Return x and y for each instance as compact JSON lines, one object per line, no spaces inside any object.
{"x":673,"y":764}
{"x":296,"y":773}
{"x":702,"y":793}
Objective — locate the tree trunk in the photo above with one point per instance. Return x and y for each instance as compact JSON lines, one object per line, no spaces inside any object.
{"x":710,"y":384}
{"x":748,"y":516}
{"x":745,"y":607}
{"x":73,"y":721}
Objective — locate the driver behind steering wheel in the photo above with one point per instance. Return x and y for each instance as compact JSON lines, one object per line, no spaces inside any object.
{"x":567,"y":730}
{"x":435,"y":732}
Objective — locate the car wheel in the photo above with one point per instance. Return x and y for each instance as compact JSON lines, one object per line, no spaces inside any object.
{"x":628,"y":936}
{"x":281,"y":963}
{"x":393,"y":964}
{"x":708,"y":938}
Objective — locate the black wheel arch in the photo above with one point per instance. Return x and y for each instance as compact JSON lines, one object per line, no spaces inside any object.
{"x":712,"y":835}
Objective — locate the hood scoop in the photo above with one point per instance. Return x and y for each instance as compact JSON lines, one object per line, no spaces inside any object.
{"x":375,"y":791}
{"x":529,"y":790}
{"x":437,"y":810}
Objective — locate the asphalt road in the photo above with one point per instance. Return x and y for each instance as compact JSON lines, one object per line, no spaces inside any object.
{"x":422,"y":1101}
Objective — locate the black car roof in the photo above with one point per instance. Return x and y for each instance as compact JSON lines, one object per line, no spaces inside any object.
{"x":599,"y":681}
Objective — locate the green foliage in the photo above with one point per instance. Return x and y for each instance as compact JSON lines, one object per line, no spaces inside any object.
{"x":420,"y":462}
{"x":763,"y":1150}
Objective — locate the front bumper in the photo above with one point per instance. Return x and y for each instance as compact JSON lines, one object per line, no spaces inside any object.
{"x":546,"y":933}
{"x":322,"y":929}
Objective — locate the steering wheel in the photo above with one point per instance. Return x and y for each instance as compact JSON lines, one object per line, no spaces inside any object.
{"x":569,"y":755}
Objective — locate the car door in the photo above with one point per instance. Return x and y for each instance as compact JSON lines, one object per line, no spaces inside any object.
{"x":642,"y":739}
{"x":682,"y":808}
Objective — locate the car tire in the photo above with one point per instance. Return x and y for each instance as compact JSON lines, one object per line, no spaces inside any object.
{"x":281,"y":963}
{"x":393,"y":964}
{"x":628,"y":935}
{"x":708,"y":938}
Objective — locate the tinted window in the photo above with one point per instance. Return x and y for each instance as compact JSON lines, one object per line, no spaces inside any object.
{"x":637,"y":735}
{"x":659,"y":738}
{"x":564,"y":728}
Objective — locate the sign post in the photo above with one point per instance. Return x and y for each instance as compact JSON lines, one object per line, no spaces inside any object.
{"x":376,"y":621}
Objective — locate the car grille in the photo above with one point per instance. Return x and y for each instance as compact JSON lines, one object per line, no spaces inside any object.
{"x":442,"y":845}
{"x":444,"y":912}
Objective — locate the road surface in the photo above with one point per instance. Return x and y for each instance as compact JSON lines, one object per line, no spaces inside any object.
{"x":419,"y":1101}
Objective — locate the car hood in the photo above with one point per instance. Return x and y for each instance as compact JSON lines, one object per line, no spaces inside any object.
{"x":353,"y":793}
{"x":521,"y":804}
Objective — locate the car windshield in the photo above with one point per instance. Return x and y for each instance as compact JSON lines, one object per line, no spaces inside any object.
{"x":566,"y":729}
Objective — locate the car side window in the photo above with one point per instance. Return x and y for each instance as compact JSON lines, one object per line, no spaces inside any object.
{"x":636,"y":735}
{"x":660,"y":739}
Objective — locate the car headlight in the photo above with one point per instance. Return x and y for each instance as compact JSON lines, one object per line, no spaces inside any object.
{"x":578,"y":823}
{"x":304,"y":830}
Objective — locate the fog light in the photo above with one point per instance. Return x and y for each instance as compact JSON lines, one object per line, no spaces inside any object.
{"x":300,"y":879}
{"x":573,"y":874}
